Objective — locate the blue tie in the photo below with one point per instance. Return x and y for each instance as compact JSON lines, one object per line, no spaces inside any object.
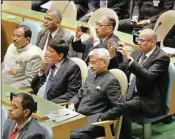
{"x":50,"y":80}
{"x":133,"y":80}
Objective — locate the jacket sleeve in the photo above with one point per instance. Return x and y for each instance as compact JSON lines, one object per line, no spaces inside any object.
{"x":151,"y":75}
{"x":168,"y":5}
{"x":93,"y":5}
{"x":74,"y":83}
{"x":116,"y":101}
{"x":78,"y":46}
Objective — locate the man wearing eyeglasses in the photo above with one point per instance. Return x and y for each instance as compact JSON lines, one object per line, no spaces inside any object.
{"x":99,"y":98}
{"x":22,"y":60}
{"x":100,"y":33}
{"x":147,"y":70}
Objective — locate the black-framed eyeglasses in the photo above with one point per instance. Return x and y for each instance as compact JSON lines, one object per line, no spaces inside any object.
{"x":142,"y":41}
{"x":100,"y":25}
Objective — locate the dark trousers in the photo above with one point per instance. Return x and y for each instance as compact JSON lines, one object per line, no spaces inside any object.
{"x":81,"y":11}
{"x":127,"y":26}
{"x":90,"y":131}
{"x":131,"y":108}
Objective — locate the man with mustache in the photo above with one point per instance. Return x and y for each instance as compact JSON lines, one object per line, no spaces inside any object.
{"x":22,"y":60}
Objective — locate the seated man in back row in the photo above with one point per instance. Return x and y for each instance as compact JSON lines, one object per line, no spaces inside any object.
{"x":53,"y":29}
{"x":100,"y":98}
{"x":99,"y":38}
{"x":22,"y":60}
{"x":59,"y":77}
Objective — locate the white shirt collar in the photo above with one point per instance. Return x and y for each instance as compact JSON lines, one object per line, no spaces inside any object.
{"x":54,"y":33}
{"x":59,"y":63}
{"x":150,"y":52}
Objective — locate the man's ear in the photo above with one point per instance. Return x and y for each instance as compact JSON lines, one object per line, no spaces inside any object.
{"x":26,"y":112}
{"x":28,"y":39}
{"x":61,"y":56}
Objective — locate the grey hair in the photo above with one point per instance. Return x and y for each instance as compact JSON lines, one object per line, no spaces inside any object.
{"x":150,"y":32}
{"x":101,"y":53}
{"x":57,"y":13}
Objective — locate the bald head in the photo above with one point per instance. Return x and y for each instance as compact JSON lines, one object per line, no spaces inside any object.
{"x":149,"y":33}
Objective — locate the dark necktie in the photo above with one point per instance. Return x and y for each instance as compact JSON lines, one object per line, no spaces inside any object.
{"x":49,"y":39}
{"x":133,"y":80}
{"x":13,"y":134}
{"x":50,"y":80}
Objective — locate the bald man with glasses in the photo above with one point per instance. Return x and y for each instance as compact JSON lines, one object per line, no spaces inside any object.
{"x":100,"y":33}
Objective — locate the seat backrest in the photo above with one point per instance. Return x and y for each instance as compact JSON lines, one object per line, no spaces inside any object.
{"x":121,"y":77}
{"x":35,"y":27}
{"x":83,"y":68}
{"x":171,"y":71}
{"x":103,"y":12}
{"x":27,"y":4}
{"x":4,"y":114}
{"x":68,"y":12}
{"x":163,"y":24}
{"x":48,"y":132}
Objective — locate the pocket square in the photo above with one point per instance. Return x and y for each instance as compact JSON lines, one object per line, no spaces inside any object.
{"x":98,"y":87}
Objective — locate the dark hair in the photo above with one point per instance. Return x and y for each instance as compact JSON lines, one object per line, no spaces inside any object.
{"x":27,"y":102}
{"x":27,"y":30}
{"x":59,"y":46}
{"x":111,"y":21}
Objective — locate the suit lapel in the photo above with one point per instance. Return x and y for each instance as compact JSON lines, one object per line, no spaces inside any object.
{"x":60,"y":33}
{"x":59,"y":73}
{"x":43,"y":39}
{"x":151,"y":57}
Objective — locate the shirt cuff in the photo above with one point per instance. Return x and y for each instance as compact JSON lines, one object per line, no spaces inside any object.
{"x":40,"y":73}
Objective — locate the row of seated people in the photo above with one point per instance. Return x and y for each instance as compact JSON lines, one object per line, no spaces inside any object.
{"x":143,"y":13}
{"x":100,"y":97}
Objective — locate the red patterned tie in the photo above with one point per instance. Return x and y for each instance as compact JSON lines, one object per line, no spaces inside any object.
{"x":13,"y":133}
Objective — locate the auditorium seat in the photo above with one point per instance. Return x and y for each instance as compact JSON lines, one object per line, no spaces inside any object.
{"x":163,"y":24}
{"x":35,"y":27}
{"x":146,"y":122}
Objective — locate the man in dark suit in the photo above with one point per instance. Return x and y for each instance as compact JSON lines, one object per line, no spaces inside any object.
{"x":52,"y":22}
{"x":145,"y":14}
{"x":147,"y":70}
{"x":120,"y":7}
{"x":99,"y":37}
{"x":100,"y":98}
{"x":59,"y":76}
{"x":84,"y":7}
{"x":20,"y":123}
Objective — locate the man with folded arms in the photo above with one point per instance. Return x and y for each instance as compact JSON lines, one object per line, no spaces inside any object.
{"x":59,"y":77}
{"x":20,"y":124}
{"x":100,"y":98}
{"x":22,"y":60}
